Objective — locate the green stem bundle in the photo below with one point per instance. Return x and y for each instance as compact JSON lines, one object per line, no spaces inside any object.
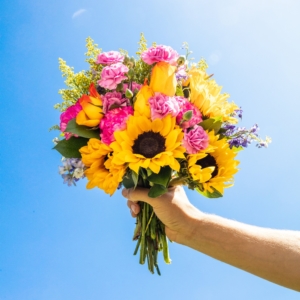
{"x":151,"y":238}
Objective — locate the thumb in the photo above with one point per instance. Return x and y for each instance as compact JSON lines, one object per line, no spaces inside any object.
{"x":139,"y":194}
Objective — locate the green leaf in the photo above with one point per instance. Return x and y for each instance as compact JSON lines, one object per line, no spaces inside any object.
{"x":128,"y":182}
{"x":179,"y":91}
{"x":215,"y":194}
{"x":157,"y":190}
{"x":70,"y":148}
{"x":82,"y":131}
{"x":211,"y":124}
{"x":187,"y":115}
{"x":135,"y":178}
{"x":163,"y":177}
{"x":237,"y":149}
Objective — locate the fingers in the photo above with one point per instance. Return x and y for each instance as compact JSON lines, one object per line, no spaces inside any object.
{"x":134,"y":208}
{"x":138,"y":194}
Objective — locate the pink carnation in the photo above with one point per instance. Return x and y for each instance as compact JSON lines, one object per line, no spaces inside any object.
{"x":195,"y":140}
{"x":162,"y":105}
{"x":112,"y":121}
{"x":108,"y":58}
{"x":186,"y":106}
{"x":134,"y":86}
{"x":69,"y":114}
{"x":113,"y":99}
{"x":112,"y":75}
{"x":160,"y":53}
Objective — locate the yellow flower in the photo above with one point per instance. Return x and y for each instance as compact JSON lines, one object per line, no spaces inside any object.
{"x":101,"y":172}
{"x":91,"y":112}
{"x":148,"y":144}
{"x":163,"y":79}
{"x":206,"y":96}
{"x":141,"y":105}
{"x":215,"y":166}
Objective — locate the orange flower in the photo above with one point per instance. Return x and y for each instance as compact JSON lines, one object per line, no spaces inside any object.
{"x":91,"y":112}
{"x":163,"y":79}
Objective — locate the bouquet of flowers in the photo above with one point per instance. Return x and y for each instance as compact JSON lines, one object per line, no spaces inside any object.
{"x":154,"y":121}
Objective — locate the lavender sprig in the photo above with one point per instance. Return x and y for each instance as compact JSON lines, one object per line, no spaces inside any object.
{"x":242,"y":137}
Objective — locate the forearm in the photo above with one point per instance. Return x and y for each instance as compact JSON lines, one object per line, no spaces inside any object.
{"x":267,"y":253}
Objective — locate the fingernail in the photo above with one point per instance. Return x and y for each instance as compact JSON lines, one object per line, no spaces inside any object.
{"x":133,"y":208}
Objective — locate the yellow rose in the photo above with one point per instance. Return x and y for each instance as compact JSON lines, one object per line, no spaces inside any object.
{"x":91,"y":112}
{"x":163,"y":79}
{"x":141,"y":105}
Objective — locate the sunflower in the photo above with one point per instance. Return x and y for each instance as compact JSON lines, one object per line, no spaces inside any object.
{"x":207,"y":97}
{"x":149,"y":144}
{"x":215,"y":166}
{"x":97,"y":156}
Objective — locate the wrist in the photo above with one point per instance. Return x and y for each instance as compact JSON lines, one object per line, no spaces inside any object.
{"x":191,"y":227}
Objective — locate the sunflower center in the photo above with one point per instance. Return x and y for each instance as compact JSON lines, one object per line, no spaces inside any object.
{"x":208,"y":161}
{"x":149,"y":144}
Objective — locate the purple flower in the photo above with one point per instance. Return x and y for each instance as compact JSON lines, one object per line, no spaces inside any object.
{"x":160,"y":53}
{"x":181,"y":74}
{"x":109,"y":58}
{"x":239,"y":112}
{"x":72,"y":170}
{"x":162,"y":105}
{"x":113,"y":99}
{"x":195,"y":140}
{"x":112,"y":75}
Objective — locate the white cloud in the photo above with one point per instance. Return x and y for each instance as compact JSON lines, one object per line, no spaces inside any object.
{"x":78,"y":13}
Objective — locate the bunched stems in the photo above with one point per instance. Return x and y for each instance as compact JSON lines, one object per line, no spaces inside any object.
{"x":151,"y":238}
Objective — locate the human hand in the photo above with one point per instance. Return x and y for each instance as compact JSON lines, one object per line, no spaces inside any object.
{"x":172,"y":208}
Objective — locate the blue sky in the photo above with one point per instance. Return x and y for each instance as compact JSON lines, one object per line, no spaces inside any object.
{"x":69,"y":243}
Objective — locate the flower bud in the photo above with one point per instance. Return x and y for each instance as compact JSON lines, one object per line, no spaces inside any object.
{"x":181,"y":60}
{"x":187,"y":115}
{"x":128,"y":94}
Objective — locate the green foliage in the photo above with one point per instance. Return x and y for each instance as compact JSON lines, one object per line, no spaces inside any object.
{"x":162,"y":178}
{"x":82,"y":131}
{"x":215,"y":194}
{"x":157,"y":190}
{"x":70,"y":148}
{"x":54,"y":127}
{"x":78,"y":84}
{"x":211,"y":124}
{"x":130,"y":180}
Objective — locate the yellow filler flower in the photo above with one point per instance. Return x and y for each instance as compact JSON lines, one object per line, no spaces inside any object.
{"x":148,"y":144}
{"x":219,"y":159}
{"x":101,"y":172}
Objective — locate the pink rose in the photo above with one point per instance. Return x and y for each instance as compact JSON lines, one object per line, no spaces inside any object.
{"x":69,"y":114}
{"x":113,"y":99}
{"x":162,"y":105}
{"x":112,"y":121}
{"x":134,"y":86}
{"x":195,"y":140}
{"x":160,"y":53}
{"x":108,"y":58}
{"x":185,"y":105}
{"x":112,"y":75}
